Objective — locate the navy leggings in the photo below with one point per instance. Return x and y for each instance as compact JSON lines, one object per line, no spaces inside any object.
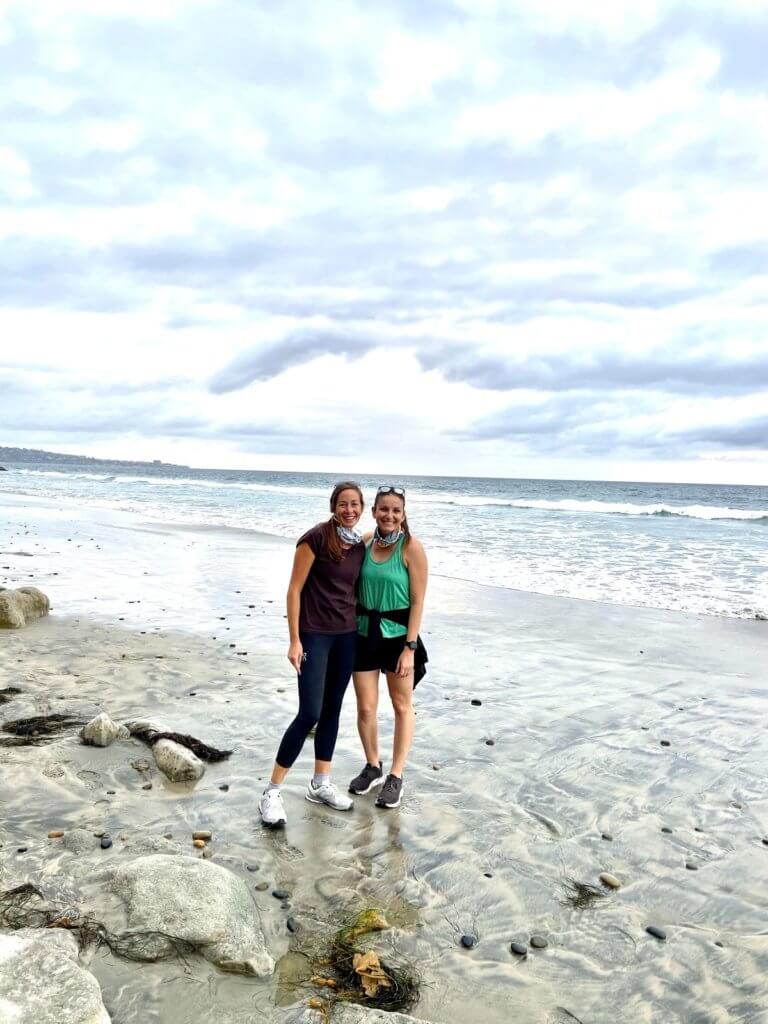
{"x":325,"y":674}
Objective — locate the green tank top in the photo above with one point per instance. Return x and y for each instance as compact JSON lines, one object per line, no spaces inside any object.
{"x":384,"y":586}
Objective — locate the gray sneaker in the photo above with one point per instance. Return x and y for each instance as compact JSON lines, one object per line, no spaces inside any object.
{"x":370,"y":777}
{"x":391,"y":792}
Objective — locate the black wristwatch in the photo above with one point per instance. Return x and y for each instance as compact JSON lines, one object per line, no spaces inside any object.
{"x":411,"y":645}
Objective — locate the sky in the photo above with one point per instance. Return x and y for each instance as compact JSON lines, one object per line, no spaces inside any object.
{"x":522,"y":238}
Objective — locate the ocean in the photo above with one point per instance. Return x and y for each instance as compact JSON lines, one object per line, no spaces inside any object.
{"x":695,"y":548}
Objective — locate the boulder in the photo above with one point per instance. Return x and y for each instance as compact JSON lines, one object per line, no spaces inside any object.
{"x":18,"y":607}
{"x":101,"y":731}
{"x":194,"y":901}
{"x":41,"y":981}
{"x":176,"y":762}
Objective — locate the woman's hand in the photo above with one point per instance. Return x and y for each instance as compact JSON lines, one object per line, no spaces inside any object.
{"x":405,"y":663}
{"x":296,"y":655}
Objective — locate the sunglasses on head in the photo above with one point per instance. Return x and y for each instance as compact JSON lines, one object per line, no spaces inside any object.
{"x":385,"y":489}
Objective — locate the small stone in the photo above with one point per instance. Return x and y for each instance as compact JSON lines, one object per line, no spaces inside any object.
{"x":207,"y":853}
{"x":436,"y":768}
{"x":224,"y":787}
{"x":490,"y":743}
{"x":538,"y":942}
{"x":168,"y":835}
{"x":261,"y":886}
{"x":519,"y":948}
{"x":106,"y":842}
{"x":607,"y":836}
{"x":292,"y":925}
{"x":281,"y":894}
{"x":764,"y":841}
{"x":719,"y":943}
{"x":198,"y":843}
{"x":468,"y":941}
{"x":665,"y":743}
{"x":690,"y":866}
{"x":202,"y":833}
{"x":738,"y":806}
{"x":645,"y":728}
{"x":657,"y":933}
{"x":251,"y":867}
{"x":281,"y":689}
{"x":487,"y":874}
{"x":147,"y":785}
{"x":610,"y":880}
{"x":56,"y":834}
{"x":666,"y":829}
{"x":286,"y":905}
{"x":111,"y":792}
{"x":22,"y":849}
{"x":696,"y":828}
{"x":475,"y":703}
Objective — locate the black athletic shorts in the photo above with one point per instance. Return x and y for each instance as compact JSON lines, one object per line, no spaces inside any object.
{"x":383,"y":654}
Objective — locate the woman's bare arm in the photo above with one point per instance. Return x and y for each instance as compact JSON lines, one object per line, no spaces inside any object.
{"x":302,"y":563}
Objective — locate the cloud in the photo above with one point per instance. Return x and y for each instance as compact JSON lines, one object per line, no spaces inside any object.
{"x":302,"y":346}
{"x":553,"y":215}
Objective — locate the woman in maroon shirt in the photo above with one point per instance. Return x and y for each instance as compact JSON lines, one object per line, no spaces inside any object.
{"x":323,"y":637}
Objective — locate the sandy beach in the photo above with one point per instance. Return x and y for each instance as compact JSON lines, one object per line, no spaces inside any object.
{"x":598,"y":727}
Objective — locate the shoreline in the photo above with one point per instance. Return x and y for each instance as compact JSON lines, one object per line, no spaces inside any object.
{"x":576,"y":698}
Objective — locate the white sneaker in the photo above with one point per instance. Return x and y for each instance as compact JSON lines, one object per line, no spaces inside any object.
{"x":328,"y":794}
{"x":271,"y":808}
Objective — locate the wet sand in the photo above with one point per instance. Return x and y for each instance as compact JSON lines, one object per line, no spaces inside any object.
{"x":504,"y":801}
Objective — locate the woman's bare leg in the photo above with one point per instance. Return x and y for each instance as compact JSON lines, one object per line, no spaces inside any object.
{"x":367,"y":693}
{"x":401,"y":692}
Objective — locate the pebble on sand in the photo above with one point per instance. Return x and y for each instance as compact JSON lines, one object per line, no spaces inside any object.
{"x":147,"y":785}
{"x":251,"y":867}
{"x":666,"y":830}
{"x":691,"y":866}
{"x":657,"y":933}
{"x":468,"y":941}
{"x":281,"y":894}
{"x":764,"y":841}
{"x":519,"y":948}
{"x":538,"y":942}
{"x":224,"y":787}
{"x":202,"y":833}
{"x":56,"y":834}
{"x":665,"y":743}
{"x":475,"y":702}
{"x":106,"y":842}
{"x":261,"y":886}
{"x":610,"y":880}
{"x":607,"y":836}
{"x":198,"y":843}
{"x":292,"y":924}
{"x":490,"y":743}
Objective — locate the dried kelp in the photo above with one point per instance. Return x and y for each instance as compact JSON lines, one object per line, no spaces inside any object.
{"x":151,"y":736}
{"x":8,"y":693}
{"x":348,"y":972}
{"x":580,"y":895}
{"x":38,"y":729}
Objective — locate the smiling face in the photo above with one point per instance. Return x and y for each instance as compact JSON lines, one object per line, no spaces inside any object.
{"x":389,"y":513}
{"x":348,"y":507}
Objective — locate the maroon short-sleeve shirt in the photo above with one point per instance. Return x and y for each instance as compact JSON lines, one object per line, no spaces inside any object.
{"x":328,"y":598}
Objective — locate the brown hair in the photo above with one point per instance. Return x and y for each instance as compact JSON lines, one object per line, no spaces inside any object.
{"x":333,"y":547}
{"x":404,"y":525}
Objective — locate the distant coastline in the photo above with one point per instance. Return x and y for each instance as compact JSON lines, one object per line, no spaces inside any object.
{"x":40,"y":455}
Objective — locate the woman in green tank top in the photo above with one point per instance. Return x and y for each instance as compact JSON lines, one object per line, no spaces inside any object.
{"x":391,"y":589}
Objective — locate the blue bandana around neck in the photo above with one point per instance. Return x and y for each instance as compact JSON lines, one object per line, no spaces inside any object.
{"x":388,"y":540}
{"x":348,"y":535}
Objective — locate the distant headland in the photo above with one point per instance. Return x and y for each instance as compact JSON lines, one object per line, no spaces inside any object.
{"x":29,"y":455}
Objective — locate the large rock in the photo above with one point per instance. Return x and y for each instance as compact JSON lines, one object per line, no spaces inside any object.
{"x":350,"y":1013}
{"x":41,"y":981}
{"x":176,"y":762}
{"x":195,"y":901}
{"x":101,"y":731}
{"x":18,"y":607}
